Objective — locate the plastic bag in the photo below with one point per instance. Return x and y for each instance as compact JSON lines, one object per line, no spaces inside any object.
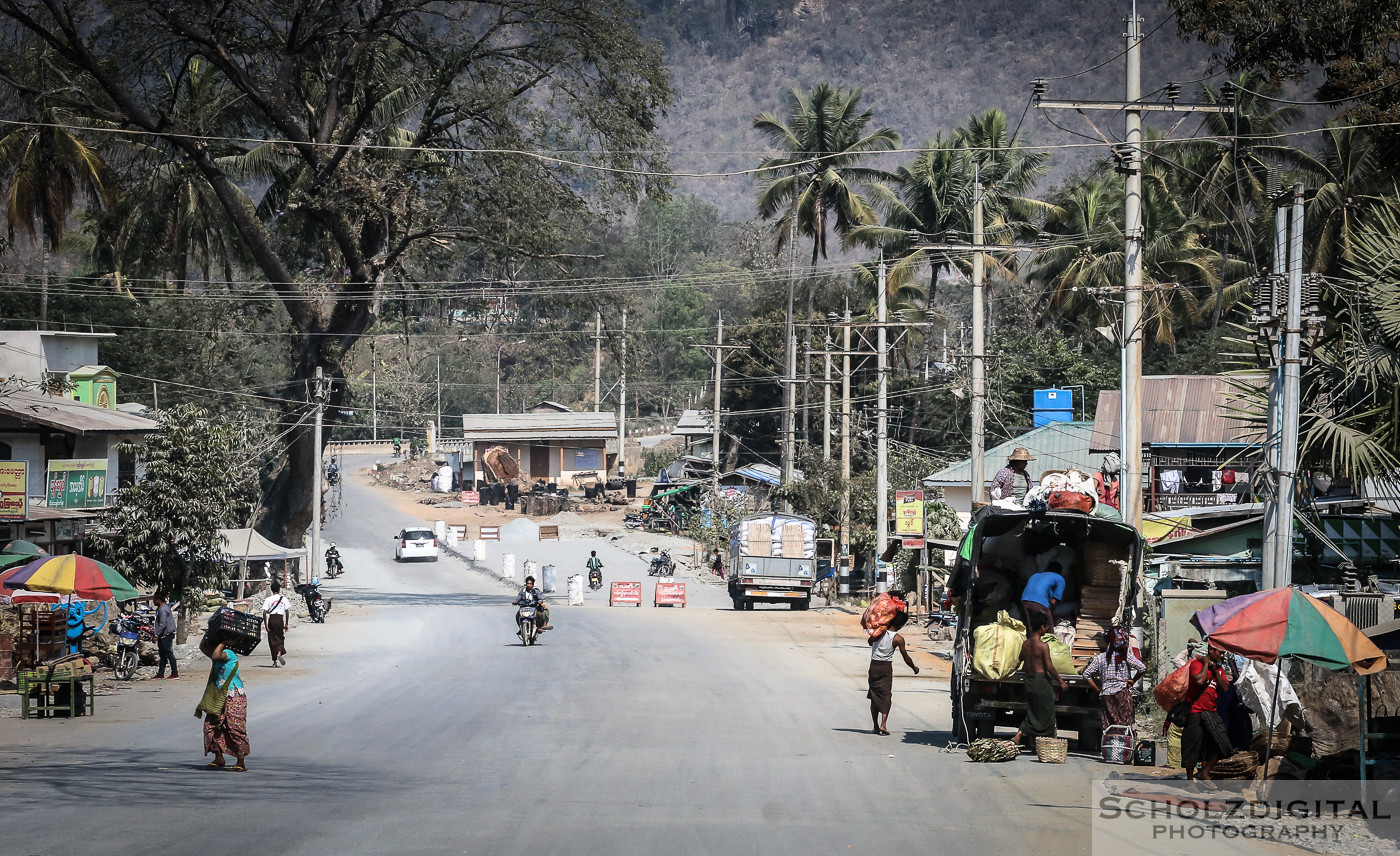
{"x":881,"y":611}
{"x":1060,"y":654}
{"x":1173,"y":688}
{"x":996,"y":648}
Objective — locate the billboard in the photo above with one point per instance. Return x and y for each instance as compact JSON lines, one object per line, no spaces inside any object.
{"x":14,"y":499}
{"x":79,"y":483}
{"x":909,"y":513}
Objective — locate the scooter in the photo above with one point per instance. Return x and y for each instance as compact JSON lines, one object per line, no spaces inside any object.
{"x":595,"y":579}
{"x":662,"y":566}
{"x":334,"y":568}
{"x":129,"y":630}
{"x":316,"y":604}
{"x":529,"y":631}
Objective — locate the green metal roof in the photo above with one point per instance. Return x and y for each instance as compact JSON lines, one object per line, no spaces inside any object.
{"x":1057,"y":446}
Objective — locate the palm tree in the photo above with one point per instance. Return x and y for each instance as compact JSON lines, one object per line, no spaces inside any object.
{"x":47,"y":167}
{"x":1356,"y":182}
{"x":817,"y":177}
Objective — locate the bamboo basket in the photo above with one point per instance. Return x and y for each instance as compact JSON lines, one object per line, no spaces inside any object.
{"x":1099,"y":569}
{"x":1051,"y":750}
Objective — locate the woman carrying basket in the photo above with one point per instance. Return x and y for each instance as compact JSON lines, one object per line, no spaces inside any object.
{"x":225,"y":709}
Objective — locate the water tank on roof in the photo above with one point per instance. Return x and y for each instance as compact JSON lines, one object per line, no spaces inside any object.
{"x":1052,"y":405}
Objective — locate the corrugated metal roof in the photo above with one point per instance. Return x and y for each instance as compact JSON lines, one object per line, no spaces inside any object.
{"x":539,"y":426}
{"x":693,"y":423}
{"x":1057,"y":446}
{"x":1179,"y":410}
{"x":65,"y":414}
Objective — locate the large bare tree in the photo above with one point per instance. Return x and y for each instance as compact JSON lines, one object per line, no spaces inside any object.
{"x":399,"y":126}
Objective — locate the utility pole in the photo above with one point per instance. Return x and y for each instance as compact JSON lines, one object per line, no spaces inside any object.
{"x":882,"y":441}
{"x":846,"y":435}
{"x":719,"y":384}
{"x":597,"y":360}
{"x":826,"y":403}
{"x":437,"y":434}
{"x":979,"y":346}
{"x":374,"y":390}
{"x":1129,"y":156}
{"x":790,"y":364}
{"x":1268,"y":314}
{"x":318,"y":397}
{"x":622,"y":403}
{"x":1282,"y":546}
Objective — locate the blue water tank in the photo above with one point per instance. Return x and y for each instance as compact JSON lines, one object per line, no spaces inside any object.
{"x":1052,"y":405}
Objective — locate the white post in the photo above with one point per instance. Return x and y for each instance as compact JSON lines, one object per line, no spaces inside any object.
{"x":1288,"y":424}
{"x":882,"y":442}
{"x":597,"y":360}
{"x":622,"y":403}
{"x":318,"y":395}
{"x":1130,"y":417}
{"x":719,"y":381}
{"x":846,"y":435}
{"x":979,"y":346}
{"x":374,"y":390}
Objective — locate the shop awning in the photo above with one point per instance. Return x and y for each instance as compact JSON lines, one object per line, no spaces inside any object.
{"x":247,"y":545}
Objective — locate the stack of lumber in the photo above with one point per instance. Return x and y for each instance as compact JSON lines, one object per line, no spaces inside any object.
{"x":1096,"y":607}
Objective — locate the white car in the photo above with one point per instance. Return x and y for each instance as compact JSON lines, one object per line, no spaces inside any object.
{"x":416,"y":544}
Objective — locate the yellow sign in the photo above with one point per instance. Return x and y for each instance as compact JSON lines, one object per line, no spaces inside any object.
{"x":909,"y":513}
{"x":14,"y":493}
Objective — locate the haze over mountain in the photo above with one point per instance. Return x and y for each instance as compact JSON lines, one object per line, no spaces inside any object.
{"x":923,"y":65}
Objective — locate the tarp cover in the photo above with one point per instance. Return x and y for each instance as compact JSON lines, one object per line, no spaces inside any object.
{"x":248,"y":545}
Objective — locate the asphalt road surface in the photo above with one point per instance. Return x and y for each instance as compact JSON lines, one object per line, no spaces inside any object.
{"x":413,"y":722}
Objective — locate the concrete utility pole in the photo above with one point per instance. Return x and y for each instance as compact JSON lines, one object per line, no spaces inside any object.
{"x":790,"y":364}
{"x":1268,"y":316}
{"x":1282,"y":546}
{"x":622,"y":402}
{"x":374,"y":390}
{"x":597,"y":360}
{"x":882,"y":440}
{"x":979,"y":347}
{"x":318,"y":397}
{"x":1129,"y":155}
{"x":720,"y":348}
{"x":826,"y":403}
{"x":437,"y":434}
{"x":846,"y":435}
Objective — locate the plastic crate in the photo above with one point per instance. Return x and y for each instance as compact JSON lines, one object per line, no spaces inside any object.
{"x":237,"y":630}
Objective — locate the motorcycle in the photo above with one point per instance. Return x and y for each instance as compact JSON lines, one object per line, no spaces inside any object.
{"x":316,"y":604}
{"x":334,"y":567}
{"x":529,"y":631}
{"x":595,"y":579}
{"x":662,"y":566}
{"x":632,"y":520}
{"x":129,"y":629}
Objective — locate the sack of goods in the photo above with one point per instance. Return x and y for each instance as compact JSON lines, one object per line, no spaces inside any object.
{"x":991,"y":749}
{"x":881,"y":611}
{"x":996,"y":648}
{"x":1061,"y":654}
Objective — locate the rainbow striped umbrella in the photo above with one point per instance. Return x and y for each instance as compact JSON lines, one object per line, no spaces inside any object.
{"x":71,"y":574}
{"x":1285,"y":622}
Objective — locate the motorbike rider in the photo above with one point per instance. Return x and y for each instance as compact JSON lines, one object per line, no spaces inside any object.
{"x":595,"y":566}
{"x":531,"y":596}
{"x":333,"y":559}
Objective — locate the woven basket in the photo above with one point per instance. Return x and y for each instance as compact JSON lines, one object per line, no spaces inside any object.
{"x":1051,"y":750}
{"x":1099,"y":569}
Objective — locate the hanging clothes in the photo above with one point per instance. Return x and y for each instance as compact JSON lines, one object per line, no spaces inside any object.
{"x":1170,"y":480}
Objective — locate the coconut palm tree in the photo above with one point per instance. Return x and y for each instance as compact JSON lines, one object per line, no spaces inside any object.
{"x":1355,"y":182}
{"x":47,"y":167}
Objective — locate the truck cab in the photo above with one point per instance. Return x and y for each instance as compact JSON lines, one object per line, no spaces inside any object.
{"x":772,"y":558}
{"x":1101,"y":561}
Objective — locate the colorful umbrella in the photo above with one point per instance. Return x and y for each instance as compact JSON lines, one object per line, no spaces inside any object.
{"x":20,"y":547}
{"x":71,"y":574}
{"x":8,"y":561}
{"x":1285,"y":622}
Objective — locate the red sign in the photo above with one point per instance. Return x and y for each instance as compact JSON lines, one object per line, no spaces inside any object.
{"x":670,"y":594}
{"x":913,"y":543}
{"x":471,"y":497}
{"x":625,"y":593}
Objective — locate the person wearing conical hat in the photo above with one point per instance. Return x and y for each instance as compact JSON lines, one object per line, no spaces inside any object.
{"x":1012,"y":481}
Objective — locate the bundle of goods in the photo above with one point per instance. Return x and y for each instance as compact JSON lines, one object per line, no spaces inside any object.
{"x":1060,"y":654}
{"x":996,"y":648}
{"x":1240,"y":765}
{"x":989,"y":749}
{"x":237,"y":630}
{"x":881,"y":611}
{"x":1068,"y":490}
{"x":1051,"y":750}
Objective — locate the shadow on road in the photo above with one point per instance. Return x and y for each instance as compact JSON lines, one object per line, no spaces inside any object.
{"x":928,"y":738}
{"x":371,"y":597}
{"x":148,"y":776}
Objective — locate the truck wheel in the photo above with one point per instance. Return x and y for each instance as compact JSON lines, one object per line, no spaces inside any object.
{"x":749,"y":604}
{"x":801,"y":605}
{"x":738,"y":604}
{"x":1090,"y":733}
{"x":985,"y":727}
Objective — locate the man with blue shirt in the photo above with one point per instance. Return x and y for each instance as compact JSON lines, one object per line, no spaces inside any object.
{"x":1038,"y":599}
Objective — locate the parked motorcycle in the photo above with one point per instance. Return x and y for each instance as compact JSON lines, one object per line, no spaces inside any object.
{"x":129,"y":629}
{"x":595,"y":579}
{"x":529,"y":630}
{"x":632,"y":520}
{"x":662,"y":565}
{"x":316,"y":604}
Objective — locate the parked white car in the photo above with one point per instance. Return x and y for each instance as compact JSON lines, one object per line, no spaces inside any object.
{"x":416,"y":544}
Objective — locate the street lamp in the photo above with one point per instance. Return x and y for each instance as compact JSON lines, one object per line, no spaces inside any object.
{"x":498,"y":371}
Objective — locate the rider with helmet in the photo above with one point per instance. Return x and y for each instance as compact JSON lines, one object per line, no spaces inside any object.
{"x":333,"y":564}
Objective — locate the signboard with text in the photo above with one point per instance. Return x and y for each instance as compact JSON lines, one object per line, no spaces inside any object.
{"x":670,"y":594}
{"x":14,"y":495}
{"x":909,"y":513}
{"x":79,"y":483}
{"x":471,"y":497}
{"x":625,"y":593}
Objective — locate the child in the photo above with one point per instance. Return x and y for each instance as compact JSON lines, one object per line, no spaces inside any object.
{"x":1041,"y":679}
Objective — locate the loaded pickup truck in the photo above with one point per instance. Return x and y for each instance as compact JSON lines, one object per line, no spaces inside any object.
{"x":772,"y":558}
{"x":1101,"y":561}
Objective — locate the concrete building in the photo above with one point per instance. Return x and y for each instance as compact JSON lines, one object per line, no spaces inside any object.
{"x":549,"y":446}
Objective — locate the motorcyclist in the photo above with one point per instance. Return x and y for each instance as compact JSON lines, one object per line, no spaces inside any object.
{"x":332,"y":471}
{"x":531,"y":596}
{"x":595,"y":568}
{"x":333,"y":563}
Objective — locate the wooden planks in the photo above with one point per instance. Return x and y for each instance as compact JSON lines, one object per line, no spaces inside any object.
{"x":760,"y":539}
{"x":794,"y":541}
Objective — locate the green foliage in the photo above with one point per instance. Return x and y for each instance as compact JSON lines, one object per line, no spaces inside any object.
{"x":711,"y":527}
{"x":199,"y":474}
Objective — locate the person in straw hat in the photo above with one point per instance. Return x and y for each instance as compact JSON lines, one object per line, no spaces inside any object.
{"x":1012,"y":481}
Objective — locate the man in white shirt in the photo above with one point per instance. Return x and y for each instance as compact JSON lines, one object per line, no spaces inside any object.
{"x":275,"y":610}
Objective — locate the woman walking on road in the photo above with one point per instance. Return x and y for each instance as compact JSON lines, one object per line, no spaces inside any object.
{"x":226,"y":733}
{"x":881,"y":693}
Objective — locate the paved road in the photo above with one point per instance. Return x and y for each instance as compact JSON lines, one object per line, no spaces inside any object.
{"x":414,"y":723}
